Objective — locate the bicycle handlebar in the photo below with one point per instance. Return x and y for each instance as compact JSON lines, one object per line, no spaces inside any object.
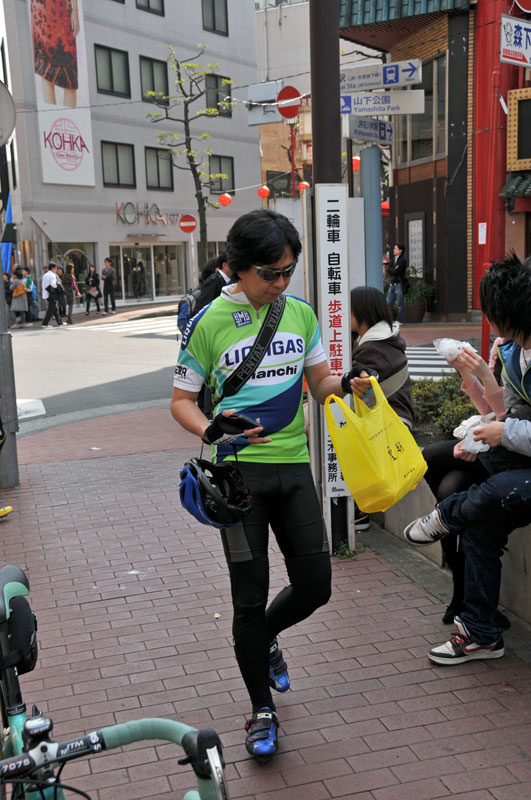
{"x":151,"y":728}
{"x":202,"y":748}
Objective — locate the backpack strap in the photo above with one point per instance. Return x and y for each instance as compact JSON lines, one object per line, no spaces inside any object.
{"x":241,"y":375}
{"x":394,"y":382}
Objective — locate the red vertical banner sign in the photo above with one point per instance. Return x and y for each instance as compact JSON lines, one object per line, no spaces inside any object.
{"x":331,"y":223}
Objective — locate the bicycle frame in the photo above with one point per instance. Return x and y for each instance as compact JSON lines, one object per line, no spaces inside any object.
{"x":201,"y":749}
{"x":29,"y":758}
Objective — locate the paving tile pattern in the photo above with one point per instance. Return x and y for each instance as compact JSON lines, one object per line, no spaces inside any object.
{"x":133,"y":603}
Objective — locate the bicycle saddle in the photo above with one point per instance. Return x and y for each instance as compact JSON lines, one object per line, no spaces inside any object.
{"x":13,"y":583}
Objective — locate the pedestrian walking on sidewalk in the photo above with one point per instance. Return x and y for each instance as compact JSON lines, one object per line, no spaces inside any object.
{"x":396,"y":271}
{"x":19,"y":300}
{"x":488,"y":512}
{"x":108,"y":276}
{"x":71,"y":288}
{"x":49,"y":293}
{"x":31,"y":288}
{"x":262,"y":252}
{"x":92,"y":289}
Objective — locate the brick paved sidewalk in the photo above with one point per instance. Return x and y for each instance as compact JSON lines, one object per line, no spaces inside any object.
{"x":134,"y":611}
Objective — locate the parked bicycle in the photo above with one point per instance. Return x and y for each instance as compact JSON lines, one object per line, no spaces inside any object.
{"x":32,"y":762}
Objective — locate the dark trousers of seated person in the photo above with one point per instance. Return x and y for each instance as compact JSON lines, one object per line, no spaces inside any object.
{"x":445,"y":476}
{"x":484,"y":516}
{"x":108,"y":294}
{"x":51,"y":311}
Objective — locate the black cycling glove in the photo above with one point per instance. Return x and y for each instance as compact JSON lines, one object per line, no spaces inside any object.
{"x":355,"y":373}
{"x":224,"y":430}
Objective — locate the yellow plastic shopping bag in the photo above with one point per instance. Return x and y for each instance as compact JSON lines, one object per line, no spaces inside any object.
{"x":378,"y":456}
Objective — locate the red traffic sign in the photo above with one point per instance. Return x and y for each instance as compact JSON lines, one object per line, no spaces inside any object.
{"x":289,"y":101}
{"x":187,"y":223}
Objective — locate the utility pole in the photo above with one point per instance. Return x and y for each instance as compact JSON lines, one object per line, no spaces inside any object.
{"x":8,"y":458}
{"x":326,"y":151}
{"x":370,"y":190}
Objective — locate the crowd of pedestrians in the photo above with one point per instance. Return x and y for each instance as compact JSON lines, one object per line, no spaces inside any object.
{"x":59,"y":290}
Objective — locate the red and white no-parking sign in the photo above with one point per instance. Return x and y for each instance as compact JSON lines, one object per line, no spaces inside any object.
{"x":187,"y":223}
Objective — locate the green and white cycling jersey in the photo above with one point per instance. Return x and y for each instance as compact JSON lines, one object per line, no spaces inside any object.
{"x":215,"y":342}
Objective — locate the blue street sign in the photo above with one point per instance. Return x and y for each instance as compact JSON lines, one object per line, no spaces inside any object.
{"x":366,"y":129}
{"x":346,"y":104}
{"x":380,"y":76}
{"x":383,"y":104}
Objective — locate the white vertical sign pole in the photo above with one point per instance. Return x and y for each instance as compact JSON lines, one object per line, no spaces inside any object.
{"x":331,"y":224}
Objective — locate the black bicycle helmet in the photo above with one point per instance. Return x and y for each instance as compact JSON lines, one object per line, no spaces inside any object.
{"x":214,"y":494}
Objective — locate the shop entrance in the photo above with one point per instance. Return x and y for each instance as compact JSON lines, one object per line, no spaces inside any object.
{"x":149,"y":271}
{"x":137,"y":273}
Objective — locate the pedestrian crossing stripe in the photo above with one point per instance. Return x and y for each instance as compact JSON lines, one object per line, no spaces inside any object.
{"x":423,"y":360}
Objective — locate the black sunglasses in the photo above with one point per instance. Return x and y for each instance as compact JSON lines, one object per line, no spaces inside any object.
{"x":270,"y":275}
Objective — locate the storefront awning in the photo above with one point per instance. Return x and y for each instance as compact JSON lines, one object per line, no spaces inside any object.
{"x":383,"y":23}
{"x":517,"y":184}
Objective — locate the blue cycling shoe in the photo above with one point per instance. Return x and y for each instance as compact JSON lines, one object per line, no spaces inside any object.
{"x":261,"y":730}
{"x":278,"y":669}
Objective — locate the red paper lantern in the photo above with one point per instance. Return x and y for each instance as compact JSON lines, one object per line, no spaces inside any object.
{"x":225,"y":199}
{"x":303,"y":185}
{"x":263,"y":191}
{"x":356,"y":163}
{"x":385,"y":208}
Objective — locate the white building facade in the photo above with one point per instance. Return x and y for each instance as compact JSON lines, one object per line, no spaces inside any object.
{"x":88,"y":178}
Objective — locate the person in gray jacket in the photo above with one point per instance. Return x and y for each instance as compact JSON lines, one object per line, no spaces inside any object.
{"x":488,"y":512}
{"x":379,"y":349}
{"x":19,"y":300}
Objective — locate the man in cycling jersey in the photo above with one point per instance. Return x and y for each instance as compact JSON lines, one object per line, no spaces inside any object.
{"x":262,"y":252}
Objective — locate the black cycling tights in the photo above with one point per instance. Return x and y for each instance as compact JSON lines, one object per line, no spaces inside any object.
{"x":283,"y":497}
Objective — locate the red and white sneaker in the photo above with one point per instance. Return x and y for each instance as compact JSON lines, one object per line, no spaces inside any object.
{"x":461,"y":648}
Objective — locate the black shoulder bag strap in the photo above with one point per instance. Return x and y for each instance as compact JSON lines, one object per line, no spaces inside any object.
{"x":241,"y":375}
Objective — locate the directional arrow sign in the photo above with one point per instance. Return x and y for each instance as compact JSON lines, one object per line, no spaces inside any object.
{"x":366,"y":129}
{"x":381,"y":104}
{"x":380,"y":76}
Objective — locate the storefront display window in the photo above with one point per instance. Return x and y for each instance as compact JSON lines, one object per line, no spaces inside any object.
{"x":147,"y":272}
{"x":169,"y":269}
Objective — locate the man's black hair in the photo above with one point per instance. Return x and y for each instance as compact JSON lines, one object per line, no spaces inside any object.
{"x":505,"y":296}
{"x":208,"y":269}
{"x":18,"y":273}
{"x":259,"y":238}
{"x":369,"y":306}
{"x":401,"y":247}
{"x":221,"y":260}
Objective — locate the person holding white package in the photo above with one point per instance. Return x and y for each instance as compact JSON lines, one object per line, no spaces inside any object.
{"x":451,"y":468}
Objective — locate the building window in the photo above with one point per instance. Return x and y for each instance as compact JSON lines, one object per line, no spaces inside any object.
{"x":159,"y":169}
{"x":218,"y":94}
{"x":215,"y":17}
{"x":422,"y":137}
{"x":154,"y":78}
{"x":154,"y":6}
{"x":222,"y":165}
{"x":119,"y":1}
{"x":112,"y":71}
{"x":118,"y":161}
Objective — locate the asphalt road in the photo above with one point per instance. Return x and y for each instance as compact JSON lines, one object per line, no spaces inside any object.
{"x":91,"y":370}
